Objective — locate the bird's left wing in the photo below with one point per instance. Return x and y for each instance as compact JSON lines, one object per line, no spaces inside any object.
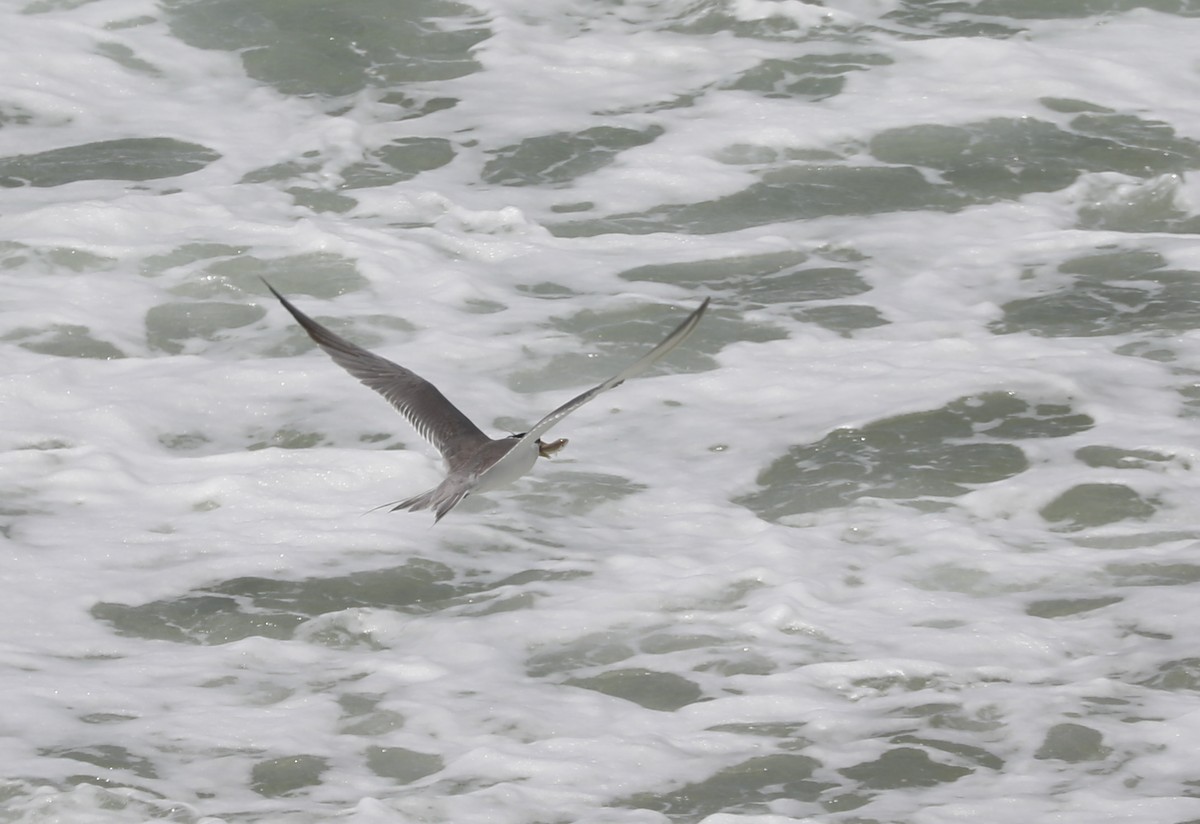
{"x":431,"y":414}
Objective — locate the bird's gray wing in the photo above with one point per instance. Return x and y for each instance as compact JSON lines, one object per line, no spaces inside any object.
{"x":418,"y":400}
{"x":633,"y":370}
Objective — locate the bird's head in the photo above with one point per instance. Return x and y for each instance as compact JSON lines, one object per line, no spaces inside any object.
{"x":545,"y":450}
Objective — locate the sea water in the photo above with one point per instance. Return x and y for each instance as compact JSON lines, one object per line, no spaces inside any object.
{"x":905,"y":532}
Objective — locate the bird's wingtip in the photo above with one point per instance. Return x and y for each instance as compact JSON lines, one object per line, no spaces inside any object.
{"x":270,"y":288}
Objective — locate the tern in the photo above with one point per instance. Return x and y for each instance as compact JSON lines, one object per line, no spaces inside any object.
{"x":474,"y":462}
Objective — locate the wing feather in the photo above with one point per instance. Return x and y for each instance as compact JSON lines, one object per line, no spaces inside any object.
{"x":636,"y":368}
{"x":419,"y":401}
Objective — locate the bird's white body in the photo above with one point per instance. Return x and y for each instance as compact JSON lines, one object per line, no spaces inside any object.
{"x":515,"y":463}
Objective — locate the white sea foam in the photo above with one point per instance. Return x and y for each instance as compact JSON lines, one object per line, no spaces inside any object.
{"x":903,"y":533}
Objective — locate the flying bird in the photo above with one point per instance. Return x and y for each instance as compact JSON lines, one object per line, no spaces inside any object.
{"x":474,"y":462}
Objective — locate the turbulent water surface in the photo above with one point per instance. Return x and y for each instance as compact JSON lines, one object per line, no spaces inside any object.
{"x":905,"y":532}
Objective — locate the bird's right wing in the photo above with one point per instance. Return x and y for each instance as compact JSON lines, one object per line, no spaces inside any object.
{"x":639,"y":366}
{"x":418,"y":400}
